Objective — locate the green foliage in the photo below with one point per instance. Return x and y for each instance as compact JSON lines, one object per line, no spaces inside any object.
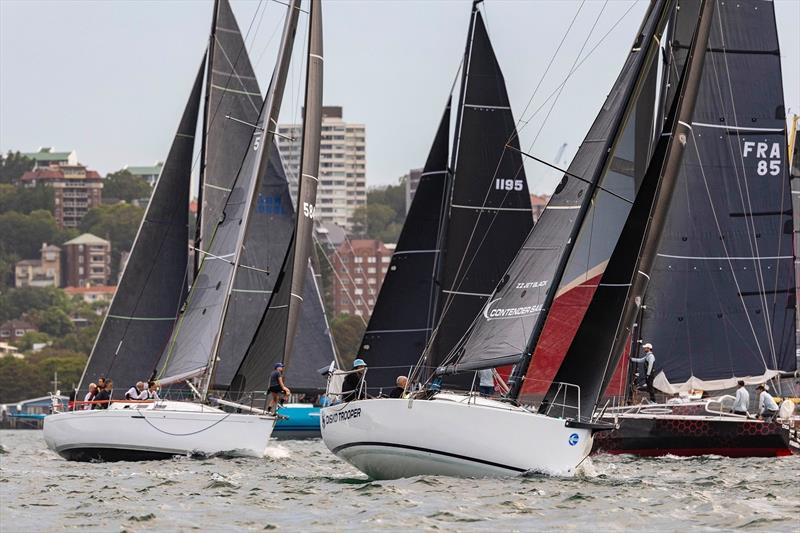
{"x":23,"y":235}
{"x":81,"y":340}
{"x":25,"y":344}
{"x":117,"y":223}
{"x":15,"y":302}
{"x":31,"y":377}
{"x":347,"y":332}
{"x":13,"y":165}
{"x":123,"y":185}
{"x":53,"y":321}
{"x":383,"y":216}
{"x":26,"y":199}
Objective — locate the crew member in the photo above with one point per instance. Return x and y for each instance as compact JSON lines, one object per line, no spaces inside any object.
{"x":135,"y":392}
{"x":486,"y":382}
{"x":400,"y":389}
{"x":152,"y":390}
{"x":277,"y":388}
{"x":742,"y":400}
{"x":103,"y":397}
{"x":767,"y":408}
{"x":650,"y":359}
{"x":90,"y":396}
{"x":355,"y":386}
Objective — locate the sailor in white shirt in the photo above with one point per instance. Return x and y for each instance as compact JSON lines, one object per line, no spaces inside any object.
{"x":767,"y":408}
{"x":137,"y":392}
{"x":742,"y":400}
{"x":650,"y":358}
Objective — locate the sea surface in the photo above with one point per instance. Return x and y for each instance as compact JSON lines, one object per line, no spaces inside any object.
{"x":300,"y":486}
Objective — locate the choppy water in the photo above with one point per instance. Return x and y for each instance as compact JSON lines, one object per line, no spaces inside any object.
{"x":299,"y":486}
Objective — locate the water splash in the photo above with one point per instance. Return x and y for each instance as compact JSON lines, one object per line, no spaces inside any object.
{"x":278,"y":451}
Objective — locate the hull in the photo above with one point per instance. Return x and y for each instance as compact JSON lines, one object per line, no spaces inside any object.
{"x":301,"y":422}
{"x":155,"y":431}
{"x":451,"y":435}
{"x":687,"y":435}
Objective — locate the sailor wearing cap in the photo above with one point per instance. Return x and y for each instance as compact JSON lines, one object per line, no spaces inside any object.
{"x":650,"y":359}
{"x":355,"y":386}
{"x":277,"y":388}
{"x":767,"y":408}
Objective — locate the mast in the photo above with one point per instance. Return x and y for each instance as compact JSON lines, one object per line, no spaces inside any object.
{"x":661,"y":9}
{"x":198,"y":234}
{"x":309,"y":172}
{"x":625,"y":280}
{"x":263,"y":139}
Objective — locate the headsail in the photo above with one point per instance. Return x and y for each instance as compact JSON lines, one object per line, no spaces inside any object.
{"x":720,"y":304}
{"x":153,"y":284}
{"x":405,"y":310}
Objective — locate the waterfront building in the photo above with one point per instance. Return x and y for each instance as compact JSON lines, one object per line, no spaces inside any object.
{"x":148,"y":173}
{"x":76,"y":190}
{"x":343,"y":174}
{"x":42,"y":272}
{"x":45,"y":157}
{"x":359,"y":267}
{"x":13,"y":330}
{"x":88,"y":261}
{"x":411,"y":181}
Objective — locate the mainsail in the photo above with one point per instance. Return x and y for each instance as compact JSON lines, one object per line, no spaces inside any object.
{"x":721,"y":301}
{"x":405,"y":312}
{"x":194,"y":345}
{"x":276,"y":331}
{"x":153,"y":284}
{"x":595,"y":194}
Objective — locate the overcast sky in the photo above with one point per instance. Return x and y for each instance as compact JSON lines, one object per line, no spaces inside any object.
{"x":110,"y":79}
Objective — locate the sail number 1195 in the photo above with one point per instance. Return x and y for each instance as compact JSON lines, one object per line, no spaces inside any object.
{"x":508,"y":185}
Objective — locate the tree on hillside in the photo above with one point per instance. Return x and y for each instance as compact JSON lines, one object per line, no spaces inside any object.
{"x":392,"y":195}
{"x":347,"y":331}
{"x":15,"y":302}
{"x":123,"y":185}
{"x":26,"y":199}
{"x":13,"y":165}
{"x":118,"y":223}
{"x":53,"y":321}
{"x":23,"y":235}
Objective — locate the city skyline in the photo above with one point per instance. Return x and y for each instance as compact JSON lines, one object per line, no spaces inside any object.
{"x":110,"y":80}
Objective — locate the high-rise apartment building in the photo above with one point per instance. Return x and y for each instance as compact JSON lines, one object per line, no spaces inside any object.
{"x":342,"y":165}
{"x":411,"y":181}
{"x":76,"y":190}
{"x":359,"y":267}
{"x":88,"y":261}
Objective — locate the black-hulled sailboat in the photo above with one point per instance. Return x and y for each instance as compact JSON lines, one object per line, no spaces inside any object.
{"x":164,"y":428}
{"x":440,"y":432}
{"x":721,"y":304}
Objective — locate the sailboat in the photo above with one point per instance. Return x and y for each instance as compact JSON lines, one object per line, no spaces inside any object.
{"x":720,"y":306}
{"x":436,"y":431}
{"x":161,"y":428}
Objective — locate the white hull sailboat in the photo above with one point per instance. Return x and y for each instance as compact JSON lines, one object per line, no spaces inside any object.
{"x":155,"y":430}
{"x":452,"y":435}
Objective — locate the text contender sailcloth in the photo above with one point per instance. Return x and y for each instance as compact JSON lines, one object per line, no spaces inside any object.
{"x":721,"y":301}
{"x":153,"y":284}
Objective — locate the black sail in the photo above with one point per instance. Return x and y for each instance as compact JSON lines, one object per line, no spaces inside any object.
{"x":510,"y":324}
{"x":489,"y":210}
{"x":404,"y":313}
{"x":606,"y":327}
{"x":153,"y":284}
{"x":721,"y":301}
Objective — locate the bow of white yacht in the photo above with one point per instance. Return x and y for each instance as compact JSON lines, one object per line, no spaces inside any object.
{"x":454,"y":435}
{"x":155,"y":430}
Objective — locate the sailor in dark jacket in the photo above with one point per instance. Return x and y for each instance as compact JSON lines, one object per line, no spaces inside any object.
{"x":355,"y":386}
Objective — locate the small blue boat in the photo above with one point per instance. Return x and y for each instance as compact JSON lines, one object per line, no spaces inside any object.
{"x":302,"y":422}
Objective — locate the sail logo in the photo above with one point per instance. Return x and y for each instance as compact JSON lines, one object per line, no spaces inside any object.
{"x":573,"y":439}
{"x":531,"y":284}
{"x":499,"y":313}
{"x":270,"y":205}
{"x":767,"y":164}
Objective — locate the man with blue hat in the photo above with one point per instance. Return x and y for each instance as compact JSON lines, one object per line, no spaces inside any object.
{"x":354,"y":386}
{"x":277,"y":388}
